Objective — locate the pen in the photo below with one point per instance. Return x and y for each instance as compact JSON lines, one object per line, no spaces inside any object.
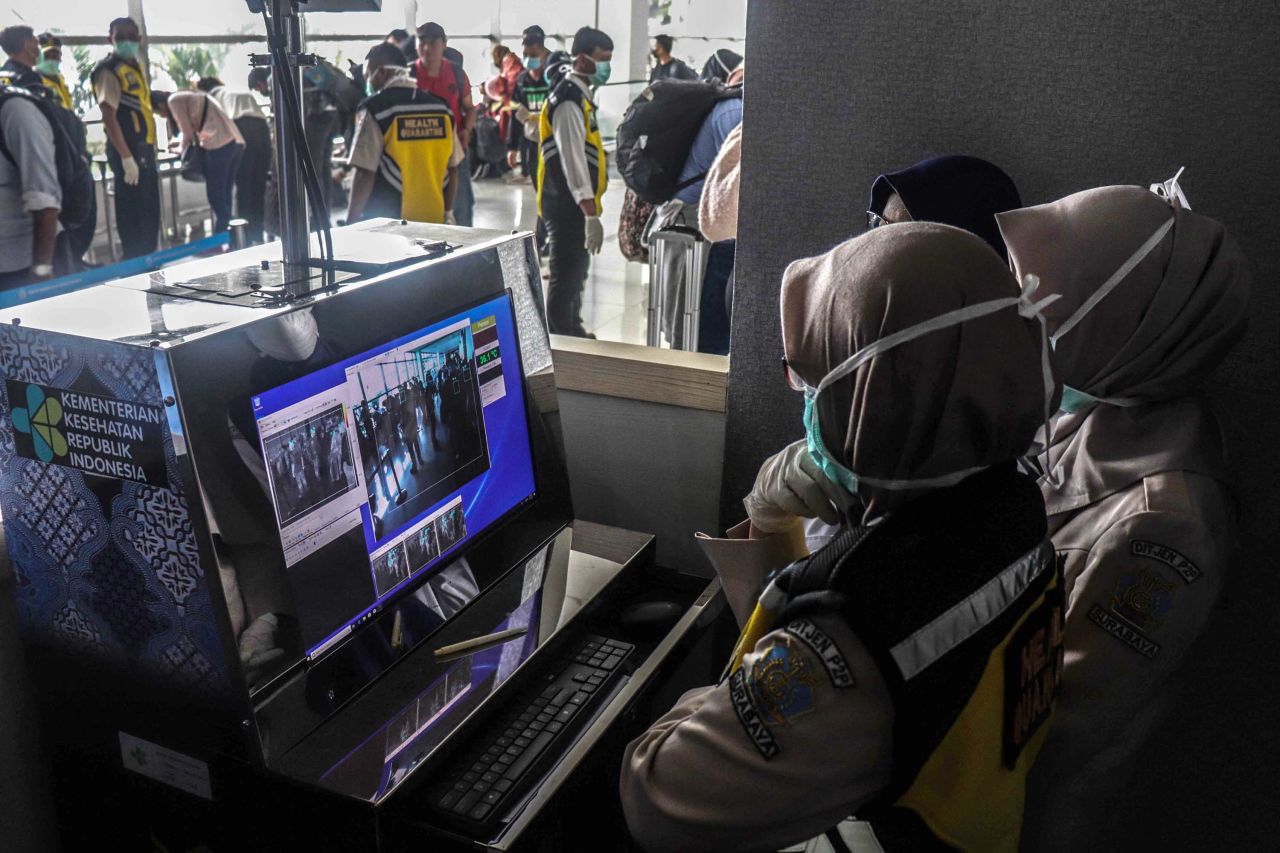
{"x":479,"y":642}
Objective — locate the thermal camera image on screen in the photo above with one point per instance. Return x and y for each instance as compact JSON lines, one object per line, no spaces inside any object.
{"x":419,"y":425}
{"x":390,"y":568}
{"x":309,"y":464}
{"x":423,"y":546}
{"x":450,"y":528}
{"x":384,"y":464}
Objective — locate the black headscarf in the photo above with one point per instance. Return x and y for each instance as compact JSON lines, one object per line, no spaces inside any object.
{"x":720,"y":65}
{"x":964,"y":192}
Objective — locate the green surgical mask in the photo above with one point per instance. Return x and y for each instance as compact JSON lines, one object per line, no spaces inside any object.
{"x":127,"y":49}
{"x":49,"y":67}
{"x":602,"y":72}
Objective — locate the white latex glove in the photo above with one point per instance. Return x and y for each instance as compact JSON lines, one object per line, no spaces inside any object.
{"x":595,"y":235}
{"x":131,"y":173}
{"x":258,"y":642}
{"x":789,"y":486}
{"x":449,"y":218}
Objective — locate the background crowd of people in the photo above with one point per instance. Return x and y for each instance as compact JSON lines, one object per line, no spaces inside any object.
{"x":412,"y":132}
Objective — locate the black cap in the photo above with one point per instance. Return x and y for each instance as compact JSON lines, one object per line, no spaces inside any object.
{"x":534,"y":35}
{"x":431,"y":31}
{"x":384,"y":54}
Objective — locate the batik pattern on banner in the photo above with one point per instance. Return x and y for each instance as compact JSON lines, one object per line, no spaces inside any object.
{"x":102,"y":564}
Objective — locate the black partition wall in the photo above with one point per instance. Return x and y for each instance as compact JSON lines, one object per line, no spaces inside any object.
{"x":1064,"y":97}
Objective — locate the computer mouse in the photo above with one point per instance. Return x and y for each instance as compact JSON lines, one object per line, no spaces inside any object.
{"x":649,"y":616}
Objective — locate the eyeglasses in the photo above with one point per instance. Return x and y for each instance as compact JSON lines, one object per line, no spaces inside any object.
{"x":875,"y":220}
{"x":794,"y":382}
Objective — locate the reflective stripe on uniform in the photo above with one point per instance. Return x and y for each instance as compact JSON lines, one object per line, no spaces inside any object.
{"x":388,"y":169}
{"x":918,"y":651}
{"x":417,"y":145}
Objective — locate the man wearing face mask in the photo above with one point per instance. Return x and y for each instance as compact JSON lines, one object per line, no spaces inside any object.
{"x":124,"y":95}
{"x":50,"y":68}
{"x":666,"y":66}
{"x":405,"y":153}
{"x":531,"y":91}
{"x":572,"y":178}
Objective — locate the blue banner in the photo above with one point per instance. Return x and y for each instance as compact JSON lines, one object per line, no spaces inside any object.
{"x":124,"y":269}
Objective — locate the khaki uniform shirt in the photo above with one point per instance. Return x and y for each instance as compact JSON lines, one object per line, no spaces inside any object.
{"x":1143,"y":569}
{"x":698,"y":781}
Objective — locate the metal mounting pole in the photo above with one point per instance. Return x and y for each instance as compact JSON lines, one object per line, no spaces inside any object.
{"x":294,"y":234}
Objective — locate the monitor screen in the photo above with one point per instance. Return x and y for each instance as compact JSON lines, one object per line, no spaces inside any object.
{"x":409,"y":450}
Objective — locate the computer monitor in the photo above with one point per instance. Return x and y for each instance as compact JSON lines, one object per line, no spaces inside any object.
{"x":421,"y":445}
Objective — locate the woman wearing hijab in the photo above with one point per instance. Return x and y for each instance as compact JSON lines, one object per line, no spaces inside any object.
{"x":720,"y":65}
{"x":966,"y":192}
{"x":872,"y":678}
{"x":1153,"y":296}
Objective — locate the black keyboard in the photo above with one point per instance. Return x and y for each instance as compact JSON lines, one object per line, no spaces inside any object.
{"x":500,"y":764}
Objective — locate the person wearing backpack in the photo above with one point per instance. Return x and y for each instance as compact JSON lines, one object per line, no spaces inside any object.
{"x":666,"y":66}
{"x":445,"y":79}
{"x":572,"y":178}
{"x":124,"y":94}
{"x":713,"y":316}
{"x":667,"y":142}
{"x":23,"y":52}
{"x":30,"y":192}
{"x":32,"y":69}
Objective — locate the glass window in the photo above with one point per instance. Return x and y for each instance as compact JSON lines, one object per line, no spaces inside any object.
{"x":75,"y":17}
{"x":202,"y":18}
{"x":559,"y":18}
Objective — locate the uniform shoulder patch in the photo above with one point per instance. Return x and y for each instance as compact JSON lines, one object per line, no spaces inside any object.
{"x":756,"y":730}
{"x":1186,"y":569}
{"x":825,"y":649}
{"x":1141,"y":600}
{"x":782,"y":683}
{"x":1123,"y":632}
{"x":1143,"y":597}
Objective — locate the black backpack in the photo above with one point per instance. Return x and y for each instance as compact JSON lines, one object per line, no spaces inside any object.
{"x":74,"y":177}
{"x":490,"y":147}
{"x":658,"y":131}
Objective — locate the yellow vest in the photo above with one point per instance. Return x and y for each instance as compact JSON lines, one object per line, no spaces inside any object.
{"x":972,"y":652}
{"x":417,"y":144}
{"x":134,"y":111}
{"x":58,"y":86}
{"x":552,"y":184}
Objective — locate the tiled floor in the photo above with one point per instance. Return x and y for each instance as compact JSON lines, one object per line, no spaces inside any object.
{"x":614,"y":303}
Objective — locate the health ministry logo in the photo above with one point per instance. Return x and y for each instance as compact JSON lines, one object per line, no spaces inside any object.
{"x":40,"y":420}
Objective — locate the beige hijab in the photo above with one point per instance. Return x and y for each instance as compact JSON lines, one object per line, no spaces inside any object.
{"x":1153,"y":339}
{"x":960,"y":397}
